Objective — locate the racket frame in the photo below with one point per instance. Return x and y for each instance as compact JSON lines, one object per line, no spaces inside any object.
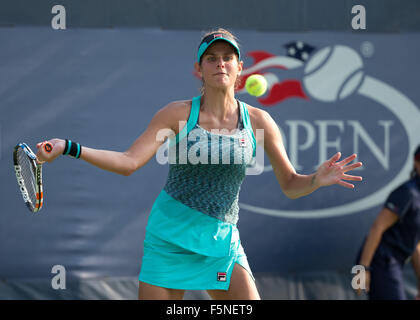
{"x":37,"y":169}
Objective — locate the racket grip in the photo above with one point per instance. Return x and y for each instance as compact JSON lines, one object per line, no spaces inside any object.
{"x":48,"y":147}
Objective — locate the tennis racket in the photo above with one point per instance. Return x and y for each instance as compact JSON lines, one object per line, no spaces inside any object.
{"x":29,"y":175}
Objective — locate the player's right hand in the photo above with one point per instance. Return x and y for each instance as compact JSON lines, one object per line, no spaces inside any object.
{"x":57,"y":149}
{"x":367,"y":283}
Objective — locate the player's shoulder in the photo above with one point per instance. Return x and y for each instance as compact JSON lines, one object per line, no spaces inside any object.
{"x":178,"y":107}
{"x":175,"y":110}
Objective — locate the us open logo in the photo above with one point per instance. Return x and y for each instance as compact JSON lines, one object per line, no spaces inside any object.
{"x":323,"y":102}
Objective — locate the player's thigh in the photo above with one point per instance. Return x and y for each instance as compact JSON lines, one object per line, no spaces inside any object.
{"x":150,"y":292}
{"x":242,"y":287}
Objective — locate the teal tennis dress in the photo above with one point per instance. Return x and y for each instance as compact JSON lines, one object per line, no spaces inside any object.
{"x":192,"y":242}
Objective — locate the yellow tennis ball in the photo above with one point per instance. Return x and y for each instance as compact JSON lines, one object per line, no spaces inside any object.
{"x":256,"y":85}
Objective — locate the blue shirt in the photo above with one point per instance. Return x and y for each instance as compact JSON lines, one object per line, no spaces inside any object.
{"x":402,"y":237}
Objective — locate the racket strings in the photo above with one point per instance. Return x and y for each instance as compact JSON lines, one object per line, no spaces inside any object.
{"x":28,"y":174}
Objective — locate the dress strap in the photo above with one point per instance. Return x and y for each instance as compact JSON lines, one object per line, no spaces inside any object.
{"x":192,"y":120}
{"x":195,"y":111}
{"x":248,"y":126}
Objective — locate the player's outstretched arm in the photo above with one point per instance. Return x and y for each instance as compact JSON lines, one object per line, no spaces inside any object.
{"x":296,"y":185}
{"x":163,"y":124}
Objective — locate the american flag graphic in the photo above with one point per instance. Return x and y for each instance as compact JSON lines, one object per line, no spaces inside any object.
{"x":279,"y":89}
{"x":297,"y":53}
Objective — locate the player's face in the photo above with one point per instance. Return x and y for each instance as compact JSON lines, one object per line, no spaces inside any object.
{"x":219,"y":65}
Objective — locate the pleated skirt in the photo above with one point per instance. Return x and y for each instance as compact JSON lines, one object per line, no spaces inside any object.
{"x":167,"y":265}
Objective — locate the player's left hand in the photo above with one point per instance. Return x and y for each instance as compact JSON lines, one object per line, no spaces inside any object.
{"x":334,"y":172}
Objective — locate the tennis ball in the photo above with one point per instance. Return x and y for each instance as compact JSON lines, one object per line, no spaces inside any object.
{"x":256,"y":85}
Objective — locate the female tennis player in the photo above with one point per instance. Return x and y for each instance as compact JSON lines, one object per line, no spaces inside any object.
{"x":191,"y":241}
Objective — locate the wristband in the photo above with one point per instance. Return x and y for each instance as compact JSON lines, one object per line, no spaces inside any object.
{"x":72,"y":149}
{"x":367,"y":268}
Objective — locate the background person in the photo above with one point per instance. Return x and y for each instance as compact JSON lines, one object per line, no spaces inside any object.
{"x":393,"y":239}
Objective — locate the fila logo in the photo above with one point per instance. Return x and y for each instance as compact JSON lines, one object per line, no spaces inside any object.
{"x":242,"y":142}
{"x":221,"y":276}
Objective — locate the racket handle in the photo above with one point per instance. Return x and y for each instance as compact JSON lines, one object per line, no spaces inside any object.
{"x":48,"y":147}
